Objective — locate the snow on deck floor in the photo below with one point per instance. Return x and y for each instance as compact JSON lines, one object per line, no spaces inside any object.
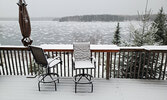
{"x":22,"y":88}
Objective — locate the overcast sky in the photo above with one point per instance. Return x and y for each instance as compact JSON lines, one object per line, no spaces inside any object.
{"x":59,"y":8}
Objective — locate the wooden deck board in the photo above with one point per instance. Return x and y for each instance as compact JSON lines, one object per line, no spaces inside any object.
{"x":22,"y":88}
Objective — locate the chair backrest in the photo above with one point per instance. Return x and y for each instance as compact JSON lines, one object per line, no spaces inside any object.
{"x":81,"y":50}
{"x":39,"y":56}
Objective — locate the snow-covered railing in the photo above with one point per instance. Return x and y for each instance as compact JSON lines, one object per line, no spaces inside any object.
{"x":118,"y":62}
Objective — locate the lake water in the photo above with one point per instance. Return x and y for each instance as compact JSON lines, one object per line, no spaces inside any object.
{"x":52,"y":32}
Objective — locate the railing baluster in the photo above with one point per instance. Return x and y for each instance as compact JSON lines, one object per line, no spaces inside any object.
{"x":68,"y":63}
{"x":48,"y":54}
{"x":72,"y":64}
{"x":53,"y":57}
{"x":2,"y":62}
{"x":10,"y":70}
{"x":26,"y":61}
{"x":30,"y":63}
{"x":57,"y":68}
{"x":114,"y":63}
{"x":123,"y":58}
{"x":151,"y":74}
{"x":148,"y":61}
{"x":80,"y":71}
{"x":1,"y":65}
{"x":108,"y":66}
{"x":19,"y":62}
{"x":136,"y":54}
{"x":118,"y":73}
{"x":61,"y":71}
{"x":64,"y":63}
{"x":143,"y":70}
{"x":22,"y":53}
{"x":131,"y":65}
{"x":161,"y":66}
{"x":86,"y":71}
{"x":5,"y":62}
{"x":140,"y":57}
{"x":17,"y":70}
{"x":156,"y":62}
{"x":103,"y":65}
{"x":12,"y":62}
{"x":91,"y":69}
{"x":126,"y":75}
{"x":52,"y":54}
{"x":164,"y":72}
{"x":98,"y":64}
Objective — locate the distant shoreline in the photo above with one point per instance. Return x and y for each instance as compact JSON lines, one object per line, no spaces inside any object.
{"x":102,"y":18}
{"x":84,"y":18}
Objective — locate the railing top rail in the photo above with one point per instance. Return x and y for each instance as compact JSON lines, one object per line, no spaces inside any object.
{"x":132,"y":49}
{"x":94,"y":48}
{"x":13,"y":47}
{"x":145,"y":48}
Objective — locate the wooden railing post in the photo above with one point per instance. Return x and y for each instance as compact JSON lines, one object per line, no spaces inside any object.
{"x":108,"y":66}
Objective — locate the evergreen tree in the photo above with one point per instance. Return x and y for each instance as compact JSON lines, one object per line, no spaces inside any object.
{"x":160,"y":23}
{"x":117,"y":37}
{"x":144,"y":34}
{"x":140,"y":62}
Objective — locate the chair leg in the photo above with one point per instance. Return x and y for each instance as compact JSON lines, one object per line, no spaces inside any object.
{"x":39,"y":86}
{"x":75,"y":87}
{"x":58,"y":81}
{"x":92,"y":88}
{"x":58,"y":78}
{"x":55,"y":86}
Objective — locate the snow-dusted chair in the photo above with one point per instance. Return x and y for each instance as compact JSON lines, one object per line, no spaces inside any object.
{"x":82,"y":60}
{"x":46,"y":63}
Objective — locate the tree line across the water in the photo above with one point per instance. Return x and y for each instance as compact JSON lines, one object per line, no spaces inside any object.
{"x":103,"y":18}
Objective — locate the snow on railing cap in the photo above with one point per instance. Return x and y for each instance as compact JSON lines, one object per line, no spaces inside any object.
{"x":70,"y":46}
{"x":56,"y":46}
{"x":104,"y":47}
{"x":155,"y":47}
{"x":132,"y":48}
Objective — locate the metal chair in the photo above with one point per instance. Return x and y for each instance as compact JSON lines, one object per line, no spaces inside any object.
{"x":82,"y":60}
{"x":45,"y":63}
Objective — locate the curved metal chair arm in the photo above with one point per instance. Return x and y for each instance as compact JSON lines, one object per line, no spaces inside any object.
{"x":59,"y":61}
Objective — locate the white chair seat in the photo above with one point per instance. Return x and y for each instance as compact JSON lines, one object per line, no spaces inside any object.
{"x":84,"y":64}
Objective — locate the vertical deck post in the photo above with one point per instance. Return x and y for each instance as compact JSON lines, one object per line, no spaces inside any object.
{"x":108,"y":66}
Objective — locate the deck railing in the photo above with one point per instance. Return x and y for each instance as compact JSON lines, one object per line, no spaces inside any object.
{"x":138,"y":63}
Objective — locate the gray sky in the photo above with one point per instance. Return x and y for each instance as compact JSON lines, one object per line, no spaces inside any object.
{"x":59,"y":8}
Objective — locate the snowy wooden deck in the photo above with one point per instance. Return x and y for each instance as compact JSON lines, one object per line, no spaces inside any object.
{"x":22,"y":88}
